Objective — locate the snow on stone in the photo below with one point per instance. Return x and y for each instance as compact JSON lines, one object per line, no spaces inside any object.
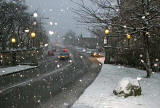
{"x":100,"y":93}
{"x":128,"y":87}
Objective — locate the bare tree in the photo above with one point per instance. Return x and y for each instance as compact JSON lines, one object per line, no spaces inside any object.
{"x":139,"y":20}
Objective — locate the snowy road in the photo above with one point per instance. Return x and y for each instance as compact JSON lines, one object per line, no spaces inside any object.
{"x":41,"y":88}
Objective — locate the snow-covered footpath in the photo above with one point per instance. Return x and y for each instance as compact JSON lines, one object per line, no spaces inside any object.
{"x":14,"y":69}
{"x":100,"y":93}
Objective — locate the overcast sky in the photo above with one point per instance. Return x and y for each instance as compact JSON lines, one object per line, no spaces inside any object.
{"x":59,"y":13}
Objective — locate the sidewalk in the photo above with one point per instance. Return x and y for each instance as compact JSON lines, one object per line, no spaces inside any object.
{"x":100,"y":93}
{"x":10,"y":70}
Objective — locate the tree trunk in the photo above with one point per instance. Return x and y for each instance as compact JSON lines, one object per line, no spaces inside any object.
{"x":148,"y":70}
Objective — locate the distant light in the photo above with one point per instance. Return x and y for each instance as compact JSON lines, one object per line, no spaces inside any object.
{"x":143,"y":17}
{"x":125,"y":26}
{"x":157,"y":60}
{"x":51,"y":23}
{"x":141,"y":55}
{"x":55,"y":23}
{"x":58,"y":65}
{"x":51,"y":32}
{"x":142,"y":61}
{"x":27,"y":30}
{"x":35,"y":15}
{"x":13,"y":40}
{"x":70,"y":61}
{"x":155,"y":65}
{"x":45,"y":45}
{"x":33,"y":34}
{"x":128,"y":36}
{"x":34,"y":23}
{"x":106,"y":31}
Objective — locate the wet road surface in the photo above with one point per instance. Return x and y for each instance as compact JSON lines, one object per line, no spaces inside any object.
{"x":39,"y":90}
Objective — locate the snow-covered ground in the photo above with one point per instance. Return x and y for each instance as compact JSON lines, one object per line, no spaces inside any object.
{"x":100,"y":93}
{"x":9,"y":70}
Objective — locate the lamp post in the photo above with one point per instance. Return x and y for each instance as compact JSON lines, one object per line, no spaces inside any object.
{"x":33,"y":54}
{"x":106,"y":47}
{"x":128,"y":37}
{"x":33,"y":35}
{"x":13,"y":41}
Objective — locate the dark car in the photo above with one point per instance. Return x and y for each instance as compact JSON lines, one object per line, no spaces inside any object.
{"x":50,"y":53}
{"x":63,"y":56}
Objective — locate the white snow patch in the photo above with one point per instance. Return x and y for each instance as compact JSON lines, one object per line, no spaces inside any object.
{"x":100,"y":93}
{"x":9,"y":70}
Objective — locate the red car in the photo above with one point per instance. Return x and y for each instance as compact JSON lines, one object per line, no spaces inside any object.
{"x":65,"y":50}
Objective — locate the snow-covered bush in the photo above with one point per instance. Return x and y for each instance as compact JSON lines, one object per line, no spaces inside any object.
{"x":128,"y":87}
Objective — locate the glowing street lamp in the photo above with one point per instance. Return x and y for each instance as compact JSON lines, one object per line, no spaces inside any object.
{"x":128,"y":36}
{"x":33,"y":34}
{"x":35,"y":15}
{"x":13,"y":40}
{"x":107,"y":55}
{"x":106,"y":31}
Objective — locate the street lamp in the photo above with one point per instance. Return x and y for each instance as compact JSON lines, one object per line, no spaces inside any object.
{"x":106,"y":31}
{"x":106,"y":45}
{"x":13,"y":40}
{"x":33,"y":34}
{"x":35,"y":15}
{"x":128,"y":37}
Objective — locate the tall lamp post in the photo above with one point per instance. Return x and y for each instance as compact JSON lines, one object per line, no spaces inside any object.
{"x":33,"y":35}
{"x":34,"y":58}
{"x":128,"y":37}
{"x":106,"y":46}
{"x":13,"y":41}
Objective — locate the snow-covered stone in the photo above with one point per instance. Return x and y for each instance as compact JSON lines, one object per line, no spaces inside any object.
{"x":128,"y":87}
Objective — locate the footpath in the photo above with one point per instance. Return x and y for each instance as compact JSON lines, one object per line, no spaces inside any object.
{"x":100,"y":93}
{"x":14,"y":69}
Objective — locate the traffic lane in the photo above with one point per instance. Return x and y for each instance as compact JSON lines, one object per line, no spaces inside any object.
{"x":7,"y":81}
{"x":71,"y":92}
{"x":31,"y":93}
{"x":34,"y":91}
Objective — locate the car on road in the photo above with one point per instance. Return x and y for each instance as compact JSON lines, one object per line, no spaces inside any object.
{"x":50,"y":53}
{"x":64,"y":49}
{"x":64,"y":56}
{"x":96,"y":54}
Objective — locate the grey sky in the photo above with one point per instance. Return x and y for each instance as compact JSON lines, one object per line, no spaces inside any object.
{"x":58,"y":11}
